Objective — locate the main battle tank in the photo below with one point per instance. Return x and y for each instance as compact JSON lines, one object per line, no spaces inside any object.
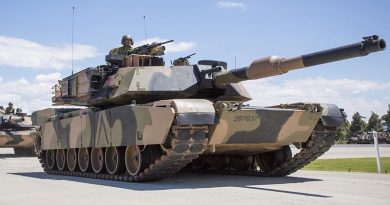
{"x":17,"y":132}
{"x":146,"y":121}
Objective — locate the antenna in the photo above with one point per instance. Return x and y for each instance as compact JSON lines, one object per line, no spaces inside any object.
{"x":146,"y":36}
{"x":72,"y":37}
{"x":235,"y":62}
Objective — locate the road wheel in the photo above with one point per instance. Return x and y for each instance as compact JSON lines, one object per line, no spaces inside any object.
{"x":133,"y":159}
{"x":51,"y":159}
{"x":270,"y":160}
{"x":61,"y":159}
{"x":138,"y":158}
{"x":71,"y":159}
{"x":83,"y":159}
{"x":114,"y":160}
{"x":241,"y":163}
{"x":97,"y":159}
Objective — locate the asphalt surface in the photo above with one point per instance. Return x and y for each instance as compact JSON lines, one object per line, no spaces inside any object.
{"x":23,"y":182}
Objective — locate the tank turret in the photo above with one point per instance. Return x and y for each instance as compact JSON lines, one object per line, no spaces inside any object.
{"x":144,"y":78}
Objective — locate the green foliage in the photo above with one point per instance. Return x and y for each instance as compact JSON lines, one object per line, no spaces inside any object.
{"x":344,"y":132}
{"x":350,"y":165}
{"x":374,"y":123}
{"x":357,"y":124}
{"x":386,"y":117}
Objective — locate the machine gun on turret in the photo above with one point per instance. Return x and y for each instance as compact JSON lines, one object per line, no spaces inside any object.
{"x":150,"y":49}
{"x":182,"y":60}
{"x":154,"y":49}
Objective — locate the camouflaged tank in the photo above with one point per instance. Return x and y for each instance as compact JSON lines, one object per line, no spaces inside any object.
{"x":17,"y":132}
{"x":146,"y":121}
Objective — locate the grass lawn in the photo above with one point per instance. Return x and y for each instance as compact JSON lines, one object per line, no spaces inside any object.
{"x":350,"y":165}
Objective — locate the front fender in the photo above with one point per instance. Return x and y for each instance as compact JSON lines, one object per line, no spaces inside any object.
{"x":332,"y":116}
{"x":191,"y":111}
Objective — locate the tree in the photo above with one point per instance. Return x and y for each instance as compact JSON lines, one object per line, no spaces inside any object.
{"x":344,"y":132}
{"x":386,"y":117}
{"x":374,"y":123}
{"x":357,"y":124}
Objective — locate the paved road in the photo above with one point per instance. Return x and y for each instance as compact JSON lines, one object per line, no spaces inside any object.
{"x":23,"y":182}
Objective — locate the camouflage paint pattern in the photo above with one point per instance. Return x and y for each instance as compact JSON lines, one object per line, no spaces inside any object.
{"x":23,"y":139}
{"x":264,"y":125}
{"x":118,"y":126}
{"x":141,"y":80}
{"x":77,"y":85}
{"x":16,"y":131}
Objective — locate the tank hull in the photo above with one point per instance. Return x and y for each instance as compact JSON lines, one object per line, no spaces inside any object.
{"x":22,"y":139}
{"x":16,"y":132}
{"x":150,"y":125}
{"x":186,"y":130}
{"x":120,"y":126}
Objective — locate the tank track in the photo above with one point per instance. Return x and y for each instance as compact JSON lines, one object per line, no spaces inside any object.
{"x":187,"y":143}
{"x":320,"y":141}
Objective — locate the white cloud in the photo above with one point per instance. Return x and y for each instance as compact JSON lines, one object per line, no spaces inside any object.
{"x":29,"y":95}
{"x":231,"y":4}
{"x":16,"y":52}
{"x":170,"y":47}
{"x":48,"y":78}
{"x":352,"y":95}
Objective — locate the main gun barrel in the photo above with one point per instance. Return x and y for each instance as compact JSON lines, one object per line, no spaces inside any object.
{"x":274,"y":65}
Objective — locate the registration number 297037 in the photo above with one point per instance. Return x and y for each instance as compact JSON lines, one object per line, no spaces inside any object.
{"x":245,"y":118}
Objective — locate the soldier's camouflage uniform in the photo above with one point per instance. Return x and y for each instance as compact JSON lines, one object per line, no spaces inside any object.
{"x":9,"y":110}
{"x":124,"y":50}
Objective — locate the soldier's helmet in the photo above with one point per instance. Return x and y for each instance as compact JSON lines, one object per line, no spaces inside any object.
{"x":10,"y":104}
{"x":127,"y":37}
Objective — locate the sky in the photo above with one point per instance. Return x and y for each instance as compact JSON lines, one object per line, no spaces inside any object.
{"x":36,"y":44}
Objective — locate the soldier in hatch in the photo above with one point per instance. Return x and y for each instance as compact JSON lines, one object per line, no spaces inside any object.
{"x":180,"y":62}
{"x":127,"y":42}
{"x":10,"y":109}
